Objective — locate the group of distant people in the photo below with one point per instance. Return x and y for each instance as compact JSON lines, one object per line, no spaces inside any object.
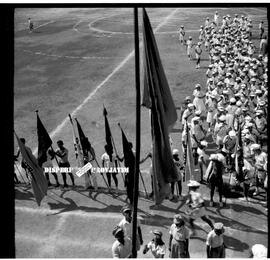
{"x":236,"y":98}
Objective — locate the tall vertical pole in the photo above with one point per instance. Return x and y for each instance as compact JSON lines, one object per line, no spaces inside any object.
{"x":138,"y":134}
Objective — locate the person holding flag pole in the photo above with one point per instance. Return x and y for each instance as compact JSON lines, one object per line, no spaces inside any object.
{"x":88,"y":155}
{"x":109,"y":139}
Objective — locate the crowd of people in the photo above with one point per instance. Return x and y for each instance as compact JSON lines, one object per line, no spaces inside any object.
{"x":234,"y":101}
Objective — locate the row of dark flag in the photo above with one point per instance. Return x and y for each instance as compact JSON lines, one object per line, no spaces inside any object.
{"x":156,"y":97}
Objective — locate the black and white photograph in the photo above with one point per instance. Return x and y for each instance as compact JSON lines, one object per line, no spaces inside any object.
{"x":140,"y":130}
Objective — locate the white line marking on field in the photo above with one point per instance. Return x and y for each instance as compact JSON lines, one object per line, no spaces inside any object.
{"x":44,"y":24}
{"x":91,"y":94}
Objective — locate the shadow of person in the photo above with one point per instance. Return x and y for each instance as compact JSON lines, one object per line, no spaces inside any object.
{"x":23,"y":195}
{"x":235,"y":244}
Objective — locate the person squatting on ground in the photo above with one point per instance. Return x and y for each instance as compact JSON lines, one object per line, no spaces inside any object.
{"x":196,"y":205}
{"x":62,"y":153}
{"x":109,"y":161}
{"x":179,"y":238}
{"x":215,"y":247}
{"x":122,"y":247}
{"x":156,"y":245}
{"x":126,"y":225}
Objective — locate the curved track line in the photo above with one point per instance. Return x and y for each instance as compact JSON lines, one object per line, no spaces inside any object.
{"x":91,"y":94}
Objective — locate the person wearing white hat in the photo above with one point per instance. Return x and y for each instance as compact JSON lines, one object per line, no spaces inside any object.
{"x":189,"y":44}
{"x":198,"y":100}
{"x":211,"y":108}
{"x":215,"y":178}
{"x":215,"y":247}
{"x":216,"y":18}
{"x":260,"y":166}
{"x":258,"y":251}
{"x":248,"y":177}
{"x":126,"y":225}
{"x":220,"y":131}
{"x":196,"y":205}
{"x":122,"y":247}
{"x":188,"y":114}
{"x":198,"y":52}
{"x":202,"y":158}
{"x":182,"y":35}
{"x":260,"y":124}
{"x":180,"y":170}
{"x":179,"y":238}
{"x":156,"y":245}
{"x":229,"y":145}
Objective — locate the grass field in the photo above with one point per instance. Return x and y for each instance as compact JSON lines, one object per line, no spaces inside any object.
{"x":75,"y":61}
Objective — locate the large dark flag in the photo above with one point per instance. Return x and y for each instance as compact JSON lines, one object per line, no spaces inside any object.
{"x":38,"y":181}
{"x":157,"y":97}
{"x":108,"y":134}
{"x":129,"y":162}
{"x":85,"y":144}
{"x":44,"y":142}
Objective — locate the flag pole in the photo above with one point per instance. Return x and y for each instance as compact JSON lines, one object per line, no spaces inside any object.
{"x":138,"y":128}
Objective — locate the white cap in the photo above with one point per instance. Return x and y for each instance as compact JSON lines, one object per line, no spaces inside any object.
{"x":193,"y":183}
{"x":204,"y":143}
{"x":213,"y":156}
{"x":239,"y":103}
{"x":259,"y":112}
{"x":232,"y":100}
{"x":175,"y":151}
{"x":222,"y":118}
{"x":232,"y":133}
{"x":196,"y":118}
{"x":255,"y":147}
{"x":190,"y":105}
{"x":198,"y":112}
{"x":259,"y":251}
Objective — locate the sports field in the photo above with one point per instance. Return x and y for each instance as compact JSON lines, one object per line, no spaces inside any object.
{"x":75,"y":61}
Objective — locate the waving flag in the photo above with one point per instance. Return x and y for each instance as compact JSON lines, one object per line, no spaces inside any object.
{"x":38,"y":181}
{"x":44,"y":142}
{"x":158,"y":98}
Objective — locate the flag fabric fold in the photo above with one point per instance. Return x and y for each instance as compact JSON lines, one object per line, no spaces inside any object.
{"x":108,"y":134}
{"x":129,"y":162}
{"x":157,"y":97}
{"x":38,"y":180}
{"x":44,"y":142}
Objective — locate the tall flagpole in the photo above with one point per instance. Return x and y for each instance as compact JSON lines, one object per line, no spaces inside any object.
{"x":138,"y":130}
